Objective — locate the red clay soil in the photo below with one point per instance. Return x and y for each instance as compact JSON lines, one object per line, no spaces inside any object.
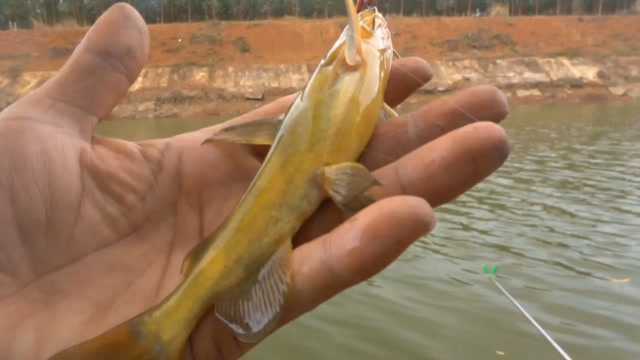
{"x":287,"y":41}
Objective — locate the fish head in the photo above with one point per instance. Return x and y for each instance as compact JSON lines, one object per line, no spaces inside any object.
{"x":374,"y":30}
{"x":367,"y":30}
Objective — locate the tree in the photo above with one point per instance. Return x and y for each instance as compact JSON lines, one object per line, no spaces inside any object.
{"x":4,"y":21}
{"x":149,"y":9}
{"x":47,"y":10}
{"x":279,"y":8}
{"x":19,"y":13}
{"x":77,"y":9}
{"x":306,"y":8}
{"x":224,"y":10}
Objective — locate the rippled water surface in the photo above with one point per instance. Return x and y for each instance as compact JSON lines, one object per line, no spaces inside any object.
{"x":561,"y":218}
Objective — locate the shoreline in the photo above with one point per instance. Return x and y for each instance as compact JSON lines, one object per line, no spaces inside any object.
{"x":202,"y":91}
{"x":227,"y":68}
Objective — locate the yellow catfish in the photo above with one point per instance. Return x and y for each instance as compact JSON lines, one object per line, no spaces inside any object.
{"x":243,"y":269}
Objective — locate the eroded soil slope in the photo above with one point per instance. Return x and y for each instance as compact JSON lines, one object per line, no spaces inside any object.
{"x":294,"y":41}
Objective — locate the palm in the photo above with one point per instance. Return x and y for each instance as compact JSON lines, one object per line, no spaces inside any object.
{"x":94,"y":230}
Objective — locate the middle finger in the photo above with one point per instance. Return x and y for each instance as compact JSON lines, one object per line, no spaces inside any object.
{"x":437,"y":171}
{"x":395,"y":138}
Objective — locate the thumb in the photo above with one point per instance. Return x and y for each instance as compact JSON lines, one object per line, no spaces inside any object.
{"x":101,"y":69}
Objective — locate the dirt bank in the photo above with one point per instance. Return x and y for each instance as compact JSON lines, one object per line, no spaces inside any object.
{"x":539,"y":56}
{"x":294,"y":41}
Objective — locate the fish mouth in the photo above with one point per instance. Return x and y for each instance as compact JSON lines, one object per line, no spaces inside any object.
{"x":374,"y":25}
{"x":373,"y":31}
{"x":371,"y":19}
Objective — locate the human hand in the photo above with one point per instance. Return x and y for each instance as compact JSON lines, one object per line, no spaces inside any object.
{"x":94,"y":230}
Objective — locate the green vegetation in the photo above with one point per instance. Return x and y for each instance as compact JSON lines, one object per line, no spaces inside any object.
{"x":483,"y":39}
{"x":22,"y":13}
{"x":210,"y":39}
{"x":242,"y":45}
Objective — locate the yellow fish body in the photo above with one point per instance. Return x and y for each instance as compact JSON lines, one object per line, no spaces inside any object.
{"x":242,"y":269}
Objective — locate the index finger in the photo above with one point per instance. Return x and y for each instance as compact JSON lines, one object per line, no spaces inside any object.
{"x":407,"y":75}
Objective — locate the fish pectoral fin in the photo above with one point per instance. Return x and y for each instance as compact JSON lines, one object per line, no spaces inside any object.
{"x":257,"y":132}
{"x":257,"y":311}
{"x":347,"y":184}
{"x":387,"y":113}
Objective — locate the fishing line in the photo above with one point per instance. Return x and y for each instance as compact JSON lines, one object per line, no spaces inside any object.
{"x":493,"y":272}
{"x":418,"y":81}
{"x":444,"y":98}
{"x":492,"y":275}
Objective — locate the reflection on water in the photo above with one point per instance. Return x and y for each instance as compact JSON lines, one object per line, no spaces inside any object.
{"x":561,"y":218}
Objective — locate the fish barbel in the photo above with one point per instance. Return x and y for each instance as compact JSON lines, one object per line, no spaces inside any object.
{"x":243,"y":268}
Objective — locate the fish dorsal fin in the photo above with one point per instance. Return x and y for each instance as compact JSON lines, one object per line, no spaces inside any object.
{"x":352,"y":51}
{"x":256,"y":312}
{"x":257,"y":132}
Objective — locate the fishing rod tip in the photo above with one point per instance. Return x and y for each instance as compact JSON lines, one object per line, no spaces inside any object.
{"x":490,"y":271}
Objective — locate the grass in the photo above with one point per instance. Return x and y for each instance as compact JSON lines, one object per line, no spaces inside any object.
{"x":59,"y":52}
{"x":242,"y":45}
{"x":15,"y":70}
{"x":209,"y":39}
{"x":478,"y":40}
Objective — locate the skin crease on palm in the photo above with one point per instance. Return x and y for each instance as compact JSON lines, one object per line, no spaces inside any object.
{"x":93,"y":230}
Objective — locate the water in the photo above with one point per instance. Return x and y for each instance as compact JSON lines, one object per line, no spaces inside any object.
{"x":561,"y":218}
